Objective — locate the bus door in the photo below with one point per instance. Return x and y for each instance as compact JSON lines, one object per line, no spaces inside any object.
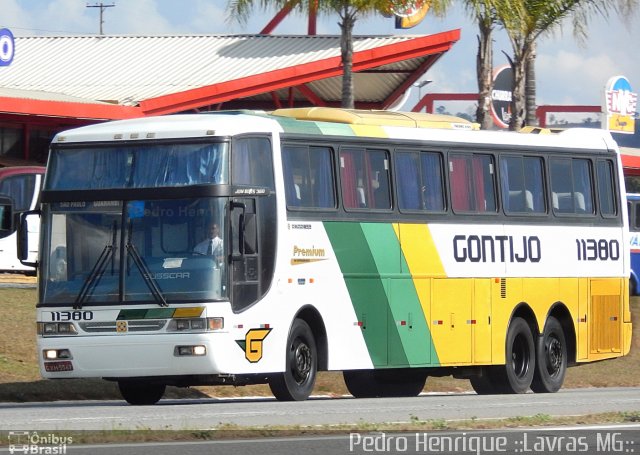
{"x":245,"y":258}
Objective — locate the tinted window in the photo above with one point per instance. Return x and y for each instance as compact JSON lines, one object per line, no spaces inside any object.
{"x":420,"y":183}
{"x":571,"y":183}
{"x":308,"y":176}
{"x":522,"y":184}
{"x":20,"y":188}
{"x":606,"y":190}
{"x":365,"y":179}
{"x":252,"y":164}
{"x":472,"y":181}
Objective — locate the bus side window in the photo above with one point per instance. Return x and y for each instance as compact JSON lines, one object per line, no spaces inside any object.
{"x":378,"y":173}
{"x":252,"y":163}
{"x":419,"y":180}
{"x":308,"y":176}
{"x":472,"y":181}
{"x":364,"y":176}
{"x":606,"y":191}
{"x":571,"y":186}
{"x":522,"y":184}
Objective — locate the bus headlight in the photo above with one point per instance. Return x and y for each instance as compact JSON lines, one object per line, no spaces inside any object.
{"x":56,"y":354}
{"x":56,"y":328}
{"x":184,"y":351}
{"x":195,"y":325}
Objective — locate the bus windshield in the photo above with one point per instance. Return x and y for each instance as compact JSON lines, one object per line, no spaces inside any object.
{"x":163,"y":251}
{"x":137,"y":165}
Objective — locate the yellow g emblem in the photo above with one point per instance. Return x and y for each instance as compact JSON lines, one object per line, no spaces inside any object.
{"x":252,"y":344}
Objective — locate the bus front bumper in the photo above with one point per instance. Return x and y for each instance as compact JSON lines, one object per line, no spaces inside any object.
{"x":136,"y":356}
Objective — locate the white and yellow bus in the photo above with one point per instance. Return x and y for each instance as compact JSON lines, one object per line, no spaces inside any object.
{"x":390,"y":246}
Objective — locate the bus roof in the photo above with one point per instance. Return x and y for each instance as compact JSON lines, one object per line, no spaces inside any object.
{"x":334,"y":122}
{"x":377,"y":118}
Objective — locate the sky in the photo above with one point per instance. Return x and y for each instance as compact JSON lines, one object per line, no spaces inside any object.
{"x":567,"y":72}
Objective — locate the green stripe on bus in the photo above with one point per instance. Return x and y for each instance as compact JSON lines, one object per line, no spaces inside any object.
{"x":290,"y":125}
{"x":335,"y":129}
{"x":406,"y":317}
{"x":143,"y":313}
{"x":386,"y":301}
{"x":366,"y":290}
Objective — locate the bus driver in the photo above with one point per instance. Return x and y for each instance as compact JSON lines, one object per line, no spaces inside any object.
{"x":212,"y":245}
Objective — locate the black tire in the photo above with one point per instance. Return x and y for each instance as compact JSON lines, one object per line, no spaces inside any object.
{"x":139,"y":393}
{"x":517,"y":373}
{"x":384,"y":383}
{"x":301,"y":365}
{"x":482,"y":384}
{"x":362,"y":383}
{"x":551,"y":359}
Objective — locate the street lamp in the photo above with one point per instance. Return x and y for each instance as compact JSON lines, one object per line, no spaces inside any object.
{"x":421,"y":84}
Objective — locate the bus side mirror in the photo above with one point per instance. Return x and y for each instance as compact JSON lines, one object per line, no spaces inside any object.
{"x":6,"y":216}
{"x":26,"y":218}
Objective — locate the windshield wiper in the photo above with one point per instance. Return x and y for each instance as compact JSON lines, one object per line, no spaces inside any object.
{"x":97,"y":271}
{"x":146,"y":275}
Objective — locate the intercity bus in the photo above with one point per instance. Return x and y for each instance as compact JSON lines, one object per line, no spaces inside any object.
{"x":388,"y":246}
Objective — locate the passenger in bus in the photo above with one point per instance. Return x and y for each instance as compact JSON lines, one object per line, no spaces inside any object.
{"x":212,"y":245}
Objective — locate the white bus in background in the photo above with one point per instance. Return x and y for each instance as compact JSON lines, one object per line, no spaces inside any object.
{"x":22,"y":185}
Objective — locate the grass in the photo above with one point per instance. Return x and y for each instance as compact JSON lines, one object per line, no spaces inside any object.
{"x":20,"y":378}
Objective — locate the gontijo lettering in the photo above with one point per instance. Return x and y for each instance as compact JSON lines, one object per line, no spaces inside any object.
{"x":496,"y":248}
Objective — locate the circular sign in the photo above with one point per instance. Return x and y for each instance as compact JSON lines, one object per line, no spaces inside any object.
{"x":7,"y":47}
{"x":501,"y":96}
{"x":620,"y":104}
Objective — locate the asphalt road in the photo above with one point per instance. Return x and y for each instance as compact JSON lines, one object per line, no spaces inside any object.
{"x":261,"y":412}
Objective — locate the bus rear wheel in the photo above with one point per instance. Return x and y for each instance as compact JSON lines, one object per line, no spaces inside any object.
{"x":140,"y":393}
{"x":551,"y":359}
{"x":517,"y":373}
{"x":374,"y":383}
{"x":297,"y":381}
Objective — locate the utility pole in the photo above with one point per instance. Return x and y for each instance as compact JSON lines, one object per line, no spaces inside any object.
{"x":102,"y":7}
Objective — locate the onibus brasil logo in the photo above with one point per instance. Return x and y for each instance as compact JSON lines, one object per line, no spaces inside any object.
{"x":32,"y":442}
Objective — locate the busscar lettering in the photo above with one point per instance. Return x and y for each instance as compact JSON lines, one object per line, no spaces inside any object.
{"x":168,"y":275}
{"x":496,"y":248}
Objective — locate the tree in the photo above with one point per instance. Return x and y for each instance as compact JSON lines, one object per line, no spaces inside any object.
{"x":526,"y":22}
{"x":348,"y":10}
{"x":486,"y":13}
{"x":483,"y":11}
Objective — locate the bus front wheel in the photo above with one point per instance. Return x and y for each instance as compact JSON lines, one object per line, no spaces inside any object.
{"x":551,"y":359}
{"x":140,"y":393}
{"x":297,"y":381}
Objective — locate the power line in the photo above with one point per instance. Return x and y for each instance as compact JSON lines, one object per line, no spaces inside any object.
{"x":102,"y":7}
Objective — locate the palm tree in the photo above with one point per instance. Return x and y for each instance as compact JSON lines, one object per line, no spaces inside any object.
{"x":525,"y":22}
{"x":348,"y":10}
{"x":483,"y":12}
{"x":531,"y":19}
